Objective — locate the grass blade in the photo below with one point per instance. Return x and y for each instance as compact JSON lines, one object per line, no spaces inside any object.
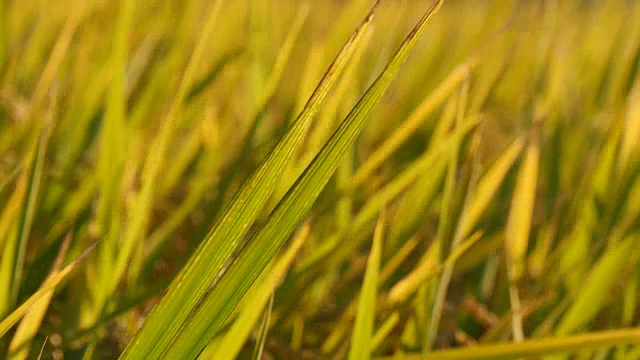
{"x":21,"y":341}
{"x":262,"y":334}
{"x":192,"y":282}
{"x":257,"y":298}
{"x":537,"y":347}
{"x":519,"y":227}
{"x":520,"y":217}
{"x":362,"y":337}
{"x":384,"y":330}
{"x":427,"y":268}
{"x":209,"y":317}
{"x":486,"y":190}
{"x":488,"y":187}
{"x":595,"y":292}
{"x":111,"y":161}
{"x":14,"y":251}
{"x":48,"y":286}
{"x":4,"y":37}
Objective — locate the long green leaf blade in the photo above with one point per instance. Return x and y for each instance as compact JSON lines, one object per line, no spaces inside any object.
{"x":193,"y":281}
{"x":361,"y":340}
{"x":537,"y":347}
{"x":14,"y":253}
{"x":21,"y":341}
{"x":595,"y":291}
{"x":49,"y":285}
{"x":256,"y":301}
{"x":206,"y":321}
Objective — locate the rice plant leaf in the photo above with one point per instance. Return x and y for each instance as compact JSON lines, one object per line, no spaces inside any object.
{"x":595,"y":291}
{"x":535,"y":348}
{"x":384,"y":330}
{"x":473,"y":209}
{"x":10,"y":211}
{"x":49,"y":285}
{"x":326,"y":120}
{"x":630,"y":147}
{"x":488,"y":187}
{"x":54,"y":62}
{"x":21,"y":341}
{"x":519,"y":224}
{"x":256,"y":300}
{"x":450,"y":201}
{"x":519,"y":227}
{"x":207,"y":319}
{"x":262,"y":333}
{"x":14,"y":252}
{"x":427,"y":268}
{"x":362,"y":336}
{"x":190,"y":285}
{"x":4,"y":37}
{"x":284,"y":54}
{"x":112,"y":157}
{"x":201,"y":85}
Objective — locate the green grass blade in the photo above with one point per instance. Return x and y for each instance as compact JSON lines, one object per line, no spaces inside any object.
{"x":21,"y":341}
{"x":10,"y":212}
{"x":362,"y":336}
{"x":111,"y":161}
{"x":14,"y":251}
{"x":536,"y":348}
{"x":58,"y":53}
{"x":258,"y":350}
{"x":488,"y":187}
{"x":49,"y":285}
{"x":192,"y":282}
{"x":384,"y":330}
{"x":630,"y":146}
{"x":4,"y":37}
{"x":206,"y":321}
{"x":427,"y":268}
{"x":112,"y":149}
{"x":257,"y":298}
{"x":201,"y":85}
{"x":520,"y":217}
{"x":284,"y":54}
{"x":519,"y":227}
{"x":448,"y":206}
{"x":594,"y":291}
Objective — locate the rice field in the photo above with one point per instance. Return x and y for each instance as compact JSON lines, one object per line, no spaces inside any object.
{"x":357,"y":179}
